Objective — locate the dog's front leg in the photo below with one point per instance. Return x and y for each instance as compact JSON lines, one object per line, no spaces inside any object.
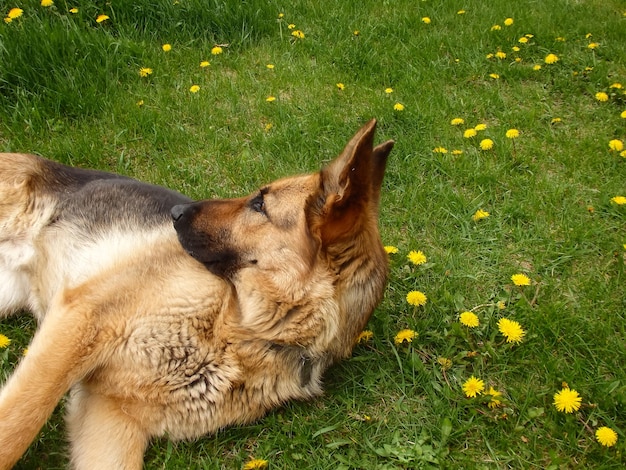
{"x":60,"y":354}
{"x":104,"y":434}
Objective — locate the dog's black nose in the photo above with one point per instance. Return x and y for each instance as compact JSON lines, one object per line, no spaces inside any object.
{"x":177,"y":211}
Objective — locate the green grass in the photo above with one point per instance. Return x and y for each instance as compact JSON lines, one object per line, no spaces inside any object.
{"x":69,"y":89}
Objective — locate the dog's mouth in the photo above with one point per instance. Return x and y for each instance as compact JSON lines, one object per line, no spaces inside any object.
{"x":211,"y":250}
{"x":220,"y":263}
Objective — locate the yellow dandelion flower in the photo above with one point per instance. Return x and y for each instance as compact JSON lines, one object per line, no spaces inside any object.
{"x":623,"y":114}
{"x":270,"y":98}
{"x":270,"y":66}
{"x":556,"y":120}
{"x":256,"y":464}
{"x":388,"y":90}
{"x":391,"y":250}
{"x":512,"y":134}
{"x":593,"y":45}
{"x":489,"y":56}
{"x":495,"y":76}
{"x":511,"y":330}
{"x":606,"y":436}
{"x":24,"y":351}
{"x":440,"y":150}
{"x":602,"y":96}
{"x":501,"y":304}
{"x":398,"y":107}
{"x":518,"y":59}
{"x":166,"y":47}
{"x":457,"y":121}
{"x":205,"y":63}
{"x":468,"y":133}
{"x":365,"y":336}
{"x":623,"y":153}
{"x":457,"y":152}
{"x":479,"y":215}
{"x":102,"y":18}
{"x":496,"y":27}
{"x":216,"y":50}
{"x":194,"y":88}
{"x":480,"y":127}
{"x":15,"y":13}
{"x":405,"y":336}
{"x":73,"y":10}
{"x":619,"y":200}
{"x":567,"y":400}
{"x":139,"y":103}
{"x":356,"y":32}
{"x":486,"y":144}
{"x":469,"y":319}
{"x":426,"y":20}
{"x":416,"y":298}
{"x":508,"y":22}
{"x":281,"y":16}
{"x":444,"y":362}
{"x":536,"y":67}
{"x":523,"y":40}
{"x":145,"y":71}
{"x":47,"y":3}
{"x":4,"y":341}
{"x":291,"y":26}
{"x":473,"y":387}
{"x":8,"y":20}
{"x":460,"y":12}
{"x":501,"y":55}
{"x":416,"y":257}
{"x":494,"y":400}
{"x":559,"y":39}
{"x":515,"y":49}
{"x":551,"y":59}
{"x":617,"y":86}
{"x":616,"y":145}
{"x":529,"y":36}
{"x":520,"y":279}
{"x":341,"y":86}
{"x":297,"y":34}
{"x":268,"y":126}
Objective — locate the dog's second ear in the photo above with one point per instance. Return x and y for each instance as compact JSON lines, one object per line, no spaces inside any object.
{"x":350,"y":185}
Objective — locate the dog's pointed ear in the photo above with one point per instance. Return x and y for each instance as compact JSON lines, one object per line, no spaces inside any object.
{"x":350,"y":185}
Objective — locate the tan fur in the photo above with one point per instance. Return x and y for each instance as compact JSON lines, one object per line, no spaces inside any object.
{"x":150,"y":340}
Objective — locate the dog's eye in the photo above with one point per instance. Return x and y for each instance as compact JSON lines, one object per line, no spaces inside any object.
{"x":258,"y":204}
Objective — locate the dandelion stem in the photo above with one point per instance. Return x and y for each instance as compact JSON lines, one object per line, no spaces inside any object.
{"x":534,"y":300}
{"x":445,"y":377}
{"x":585,"y":424}
{"x":491,"y":304}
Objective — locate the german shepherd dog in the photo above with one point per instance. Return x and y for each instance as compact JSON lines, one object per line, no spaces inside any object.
{"x":166,"y":316}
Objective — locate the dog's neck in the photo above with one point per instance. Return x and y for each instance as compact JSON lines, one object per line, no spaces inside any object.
{"x":306,"y":317}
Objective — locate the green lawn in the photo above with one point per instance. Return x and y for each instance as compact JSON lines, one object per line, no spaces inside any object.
{"x":280,"y":100}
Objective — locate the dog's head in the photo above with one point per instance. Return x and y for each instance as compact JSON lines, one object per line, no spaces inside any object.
{"x":309,"y":237}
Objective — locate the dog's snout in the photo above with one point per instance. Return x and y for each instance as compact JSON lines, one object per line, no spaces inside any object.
{"x":177,"y":211}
